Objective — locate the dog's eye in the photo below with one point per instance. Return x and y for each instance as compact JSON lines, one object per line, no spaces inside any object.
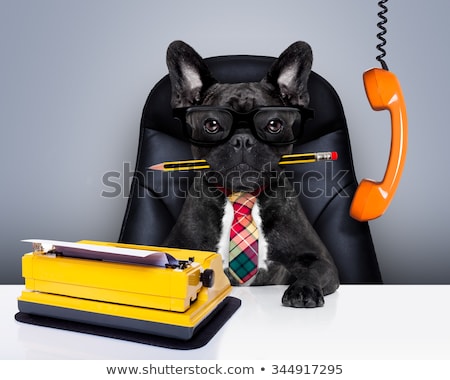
{"x":274,"y":126}
{"x":211,"y":126}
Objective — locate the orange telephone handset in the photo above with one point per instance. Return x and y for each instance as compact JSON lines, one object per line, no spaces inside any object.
{"x":372,"y":198}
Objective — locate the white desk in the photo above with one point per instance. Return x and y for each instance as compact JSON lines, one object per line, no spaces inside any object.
{"x":357,"y":322}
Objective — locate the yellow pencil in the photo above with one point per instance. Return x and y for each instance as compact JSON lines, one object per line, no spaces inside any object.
{"x":181,"y":165}
{"x":287,"y":159}
{"x":304,"y":158}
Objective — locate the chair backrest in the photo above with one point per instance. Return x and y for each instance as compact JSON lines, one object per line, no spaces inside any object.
{"x":325,"y":189}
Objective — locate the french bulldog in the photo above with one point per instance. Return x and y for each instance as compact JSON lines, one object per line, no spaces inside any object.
{"x":242,"y":130}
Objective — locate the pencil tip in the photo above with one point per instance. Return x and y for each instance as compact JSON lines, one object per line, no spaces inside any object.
{"x":157,"y":167}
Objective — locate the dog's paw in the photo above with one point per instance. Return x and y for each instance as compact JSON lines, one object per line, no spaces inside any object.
{"x":303,"y":296}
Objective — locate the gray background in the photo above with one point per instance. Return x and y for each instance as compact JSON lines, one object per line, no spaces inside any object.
{"x":74,"y":76}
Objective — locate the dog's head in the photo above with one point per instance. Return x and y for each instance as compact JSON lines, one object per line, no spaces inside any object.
{"x":241,"y":129}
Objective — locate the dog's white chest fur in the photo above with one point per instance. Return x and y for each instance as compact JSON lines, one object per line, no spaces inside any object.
{"x":224,"y":242}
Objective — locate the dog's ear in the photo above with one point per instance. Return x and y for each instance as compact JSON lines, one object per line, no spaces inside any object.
{"x":290,"y":72}
{"x":189,"y":75}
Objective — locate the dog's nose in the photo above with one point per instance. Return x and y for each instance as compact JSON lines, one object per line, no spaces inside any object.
{"x":242,"y":141}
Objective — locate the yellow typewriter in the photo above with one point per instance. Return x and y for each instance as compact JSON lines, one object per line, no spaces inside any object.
{"x":162,"y":291}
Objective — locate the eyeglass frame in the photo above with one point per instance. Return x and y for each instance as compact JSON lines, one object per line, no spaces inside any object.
{"x":242,"y":120}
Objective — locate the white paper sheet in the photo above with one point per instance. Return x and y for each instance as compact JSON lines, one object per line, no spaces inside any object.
{"x":107,"y":253}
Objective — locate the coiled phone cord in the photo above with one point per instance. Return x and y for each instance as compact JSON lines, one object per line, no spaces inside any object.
{"x":380,"y":35}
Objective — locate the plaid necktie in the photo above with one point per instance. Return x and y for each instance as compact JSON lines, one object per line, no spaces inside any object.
{"x":243,"y":258}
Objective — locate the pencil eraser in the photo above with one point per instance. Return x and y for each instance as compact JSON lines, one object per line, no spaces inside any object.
{"x":334,"y":156}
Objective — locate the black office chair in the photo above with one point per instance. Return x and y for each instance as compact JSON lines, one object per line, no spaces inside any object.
{"x":325,"y":189}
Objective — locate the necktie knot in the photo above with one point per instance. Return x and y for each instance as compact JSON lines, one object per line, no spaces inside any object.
{"x":242,"y":203}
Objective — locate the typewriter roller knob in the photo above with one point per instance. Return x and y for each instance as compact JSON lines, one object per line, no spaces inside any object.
{"x":207,"y":278}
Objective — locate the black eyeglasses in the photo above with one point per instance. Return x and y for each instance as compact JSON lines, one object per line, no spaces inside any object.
{"x":210,"y":125}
